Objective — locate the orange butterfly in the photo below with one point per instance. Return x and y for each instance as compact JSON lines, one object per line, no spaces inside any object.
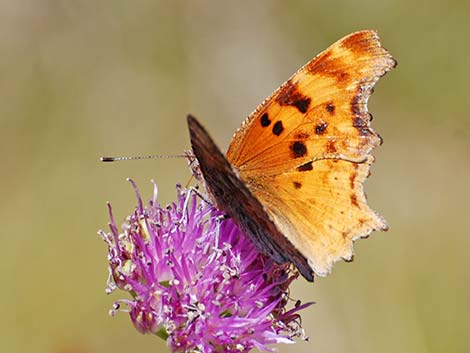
{"x":292,"y":179}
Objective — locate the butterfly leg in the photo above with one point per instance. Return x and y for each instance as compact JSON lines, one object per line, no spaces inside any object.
{"x":219,"y":221}
{"x":191,"y":190}
{"x":201,"y":196}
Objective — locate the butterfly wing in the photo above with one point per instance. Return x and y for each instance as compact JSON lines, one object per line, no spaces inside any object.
{"x":233,"y":196}
{"x":305,"y":151}
{"x":321,"y":210}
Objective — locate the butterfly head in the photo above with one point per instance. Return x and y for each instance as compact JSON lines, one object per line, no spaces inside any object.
{"x":194,"y":166}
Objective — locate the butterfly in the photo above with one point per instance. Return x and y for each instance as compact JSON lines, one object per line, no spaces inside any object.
{"x":292,"y":178}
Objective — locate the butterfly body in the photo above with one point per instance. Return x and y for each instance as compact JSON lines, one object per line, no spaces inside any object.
{"x":292,"y":178}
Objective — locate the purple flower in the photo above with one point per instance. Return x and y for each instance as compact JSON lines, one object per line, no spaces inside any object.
{"x":196,"y":281}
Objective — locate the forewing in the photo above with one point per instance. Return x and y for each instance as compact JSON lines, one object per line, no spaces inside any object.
{"x":320,"y":112}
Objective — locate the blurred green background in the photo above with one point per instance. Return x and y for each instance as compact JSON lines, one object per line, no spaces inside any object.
{"x":82,"y":79}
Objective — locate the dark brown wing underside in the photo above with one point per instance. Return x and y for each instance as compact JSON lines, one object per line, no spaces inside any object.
{"x":234,"y":198}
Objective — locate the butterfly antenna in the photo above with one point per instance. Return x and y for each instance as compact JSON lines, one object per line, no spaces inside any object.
{"x":133,"y":158}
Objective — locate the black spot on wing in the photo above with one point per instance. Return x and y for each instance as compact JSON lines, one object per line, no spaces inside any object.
{"x":302,"y":104}
{"x":330,"y":108}
{"x":265,"y":120}
{"x":305,"y":167}
{"x":291,"y":95}
{"x":320,"y":128}
{"x":362,"y":126}
{"x":297,"y":185}
{"x":278,"y":128}
{"x":298,"y":149}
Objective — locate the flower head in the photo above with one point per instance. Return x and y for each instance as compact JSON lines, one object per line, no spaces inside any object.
{"x":196,"y":281}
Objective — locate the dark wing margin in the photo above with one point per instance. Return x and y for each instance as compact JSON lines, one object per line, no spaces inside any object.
{"x":234,"y":198}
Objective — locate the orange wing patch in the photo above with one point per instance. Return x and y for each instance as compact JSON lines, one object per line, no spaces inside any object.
{"x":321,"y":109}
{"x":305,"y":151}
{"x":321,"y":207}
